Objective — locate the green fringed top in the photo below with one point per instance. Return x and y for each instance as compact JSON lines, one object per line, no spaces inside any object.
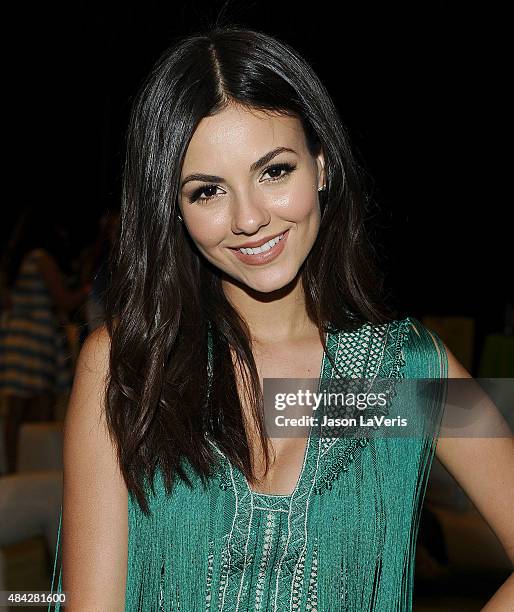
{"x":345,"y":538}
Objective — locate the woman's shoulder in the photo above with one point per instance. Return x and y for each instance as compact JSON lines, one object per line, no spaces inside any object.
{"x":424,"y":353}
{"x":404,"y":344}
{"x":407,"y":327}
{"x":398,"y":347}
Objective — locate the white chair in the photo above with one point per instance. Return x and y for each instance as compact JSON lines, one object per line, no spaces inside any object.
{"x":30,"y":505}
{"x":30,"y":499}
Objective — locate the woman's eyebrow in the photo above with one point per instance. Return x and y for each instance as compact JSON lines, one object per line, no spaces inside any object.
{"x":211,"y":178}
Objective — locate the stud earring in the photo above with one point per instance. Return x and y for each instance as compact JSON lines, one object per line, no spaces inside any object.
{"x":322,"y":188}
{"x":180,"y":217}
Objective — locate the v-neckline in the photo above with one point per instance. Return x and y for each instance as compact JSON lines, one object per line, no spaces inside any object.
{"x":306,"y":452}
{"x":236,"y":474}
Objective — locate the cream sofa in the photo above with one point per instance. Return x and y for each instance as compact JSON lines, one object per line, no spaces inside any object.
{"x":30,"y":499}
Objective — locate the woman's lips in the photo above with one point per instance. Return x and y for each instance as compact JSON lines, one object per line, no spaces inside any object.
{"x":264,"y":257}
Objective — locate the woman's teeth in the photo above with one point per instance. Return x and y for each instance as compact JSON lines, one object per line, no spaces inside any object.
{"x":264,"y":247}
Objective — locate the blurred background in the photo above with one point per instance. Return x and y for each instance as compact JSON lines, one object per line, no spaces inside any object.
{"x":422,"y":93}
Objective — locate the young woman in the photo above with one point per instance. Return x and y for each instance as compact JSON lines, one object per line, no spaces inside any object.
{"x":242,"y":256}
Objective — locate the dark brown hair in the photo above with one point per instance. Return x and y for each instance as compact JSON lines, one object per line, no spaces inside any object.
{"x":163,"y":294}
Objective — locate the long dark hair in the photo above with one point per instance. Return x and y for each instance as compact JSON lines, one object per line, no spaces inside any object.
{"x":163,"y":295}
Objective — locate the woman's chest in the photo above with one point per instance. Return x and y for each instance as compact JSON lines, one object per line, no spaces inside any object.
{"x":279,"y":374}
{"x":346,"y":486}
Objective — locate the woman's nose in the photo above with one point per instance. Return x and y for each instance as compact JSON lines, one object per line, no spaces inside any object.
{"x":248,"y":214}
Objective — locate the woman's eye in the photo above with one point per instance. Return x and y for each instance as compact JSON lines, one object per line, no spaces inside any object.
{"x":210,"y":190}
{"x":276,"y":170}
{"x":204,"y":189}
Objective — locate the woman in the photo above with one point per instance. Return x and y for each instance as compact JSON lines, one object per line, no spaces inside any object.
{"x":35,"y":359}
{"x":242,"y":256}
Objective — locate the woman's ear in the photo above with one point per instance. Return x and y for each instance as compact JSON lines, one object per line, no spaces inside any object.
{"x":320,"y":163}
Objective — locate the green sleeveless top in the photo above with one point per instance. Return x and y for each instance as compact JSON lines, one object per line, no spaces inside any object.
{"x":345,"y":539}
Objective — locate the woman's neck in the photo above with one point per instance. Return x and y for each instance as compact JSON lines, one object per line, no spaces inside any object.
{"x":278,"y":316}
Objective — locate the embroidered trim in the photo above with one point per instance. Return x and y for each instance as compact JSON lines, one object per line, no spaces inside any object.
{"x":389,"y":362}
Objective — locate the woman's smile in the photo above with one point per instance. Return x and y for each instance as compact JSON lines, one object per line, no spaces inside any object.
{"x":264,"y":251}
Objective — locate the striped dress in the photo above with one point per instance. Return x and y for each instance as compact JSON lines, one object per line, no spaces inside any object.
{"x":34,"y":353}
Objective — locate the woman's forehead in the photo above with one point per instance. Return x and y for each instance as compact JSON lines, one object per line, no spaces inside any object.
{"x":243,"y":135}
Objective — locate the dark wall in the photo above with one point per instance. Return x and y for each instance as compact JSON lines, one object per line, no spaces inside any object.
{"x":421,"y":92}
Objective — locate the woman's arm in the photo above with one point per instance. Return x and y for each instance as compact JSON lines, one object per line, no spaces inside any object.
{"x":484,"y":468}
{"x":95,"y":516}
{"x":64,"y":298}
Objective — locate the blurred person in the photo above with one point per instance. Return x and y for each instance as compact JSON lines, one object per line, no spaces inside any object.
{"x":35,"y":360}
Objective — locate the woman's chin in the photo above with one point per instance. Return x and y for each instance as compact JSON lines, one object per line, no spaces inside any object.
{"x":267,"y":282}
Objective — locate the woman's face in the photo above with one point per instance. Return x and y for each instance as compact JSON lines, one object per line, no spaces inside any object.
{"x":259,"y":183}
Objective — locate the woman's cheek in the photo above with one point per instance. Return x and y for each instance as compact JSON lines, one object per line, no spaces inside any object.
{"x":297,"y":204}
{"x":207,"y":230}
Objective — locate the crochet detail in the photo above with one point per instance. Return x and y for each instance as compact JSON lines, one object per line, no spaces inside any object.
{"x":367,"y":353}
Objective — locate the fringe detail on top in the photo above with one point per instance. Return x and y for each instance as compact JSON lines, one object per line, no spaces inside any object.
{"x":374,"y":563}
{"x":358,"y":540}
